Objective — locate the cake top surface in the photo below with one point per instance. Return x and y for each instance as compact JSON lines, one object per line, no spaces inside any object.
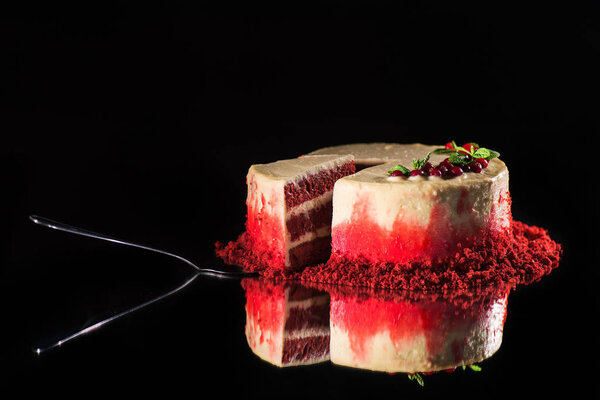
{"x":298,"y":168}
{"x":382,"y":157}
{"x":377,"y":153}
{"x":379,"y":175}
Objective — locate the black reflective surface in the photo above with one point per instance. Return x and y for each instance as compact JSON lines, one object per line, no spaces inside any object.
{"x":142,"y":124}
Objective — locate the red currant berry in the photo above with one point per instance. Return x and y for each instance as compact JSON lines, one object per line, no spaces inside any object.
{"x":435,"y":172}
{"x":446,"y":163}
{"x":396,"y":172}
{"x":468,"y":147}
{"x":443,"y":167}
{"x":449,"y":146}
{"x":416,"y":172}
{"x":475,"y":167}
{"x":455,"y":171}
{"x":484,"y":163}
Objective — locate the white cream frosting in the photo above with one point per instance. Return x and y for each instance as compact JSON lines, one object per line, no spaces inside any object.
{"x":379,"y":153}
{"x":297,"y":169}
{"x":389,"y":197}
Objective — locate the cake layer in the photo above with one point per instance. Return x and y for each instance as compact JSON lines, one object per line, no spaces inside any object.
{"x":309,"y":252}
{"x":310,"y":220}
{"x":305,"y":319}
{"x":289,"y":207}
{"x":306,"y":351}
{"x":315,"y":184}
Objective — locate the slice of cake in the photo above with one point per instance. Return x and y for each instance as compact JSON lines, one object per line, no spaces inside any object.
{"x":286,"y":324}
{"x":396,"y":331}
{"x":289,"y":215}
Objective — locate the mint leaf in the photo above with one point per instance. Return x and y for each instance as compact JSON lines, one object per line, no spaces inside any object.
{"x":401,"y":168}
{"x":458,"y":158}
{"x":488,"y":154}
{"x":444,"y":151}
{"x":481,"y":152}
{"x":475,"y":367}
{"x":460,"y":148}
{"x":416,"y":377}
{"x":418,"y":164}
{"x":493,"y":154}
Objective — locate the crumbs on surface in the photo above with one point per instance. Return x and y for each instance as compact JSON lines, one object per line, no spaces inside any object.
{"x":520,"y":256}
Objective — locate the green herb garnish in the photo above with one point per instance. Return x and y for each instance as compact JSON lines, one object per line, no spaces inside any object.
{"x":418,"y":164}
{"x":464,"y":154}
{"x":416,"y":377}
{"x":457,"y":155}
{"x":473,"y":367}
{"x":401,"y":168}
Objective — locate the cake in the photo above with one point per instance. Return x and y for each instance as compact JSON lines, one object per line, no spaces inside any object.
{"x":412,"y":332}
{"x":400,"y":216}
{"x":420,"y":218}
{"x":286,"y":324}
{"x":289,"y":211}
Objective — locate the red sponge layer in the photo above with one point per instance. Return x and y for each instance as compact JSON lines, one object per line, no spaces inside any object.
{"x":315,"y":185}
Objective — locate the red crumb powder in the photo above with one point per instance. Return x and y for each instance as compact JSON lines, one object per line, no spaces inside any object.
{"x":519,"y":256}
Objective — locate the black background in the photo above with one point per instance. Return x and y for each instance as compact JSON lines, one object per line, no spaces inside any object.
{"x":141,"y":122}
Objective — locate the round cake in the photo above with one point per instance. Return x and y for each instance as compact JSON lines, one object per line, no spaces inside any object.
{"x":399,"y":216}
{"x":421,"y":218}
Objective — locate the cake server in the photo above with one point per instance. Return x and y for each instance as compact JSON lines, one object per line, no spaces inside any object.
{"x":235,"y":272}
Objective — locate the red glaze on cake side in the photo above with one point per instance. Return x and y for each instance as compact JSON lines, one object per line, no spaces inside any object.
{"x":416,"y":219}
{"x":264,"y":221}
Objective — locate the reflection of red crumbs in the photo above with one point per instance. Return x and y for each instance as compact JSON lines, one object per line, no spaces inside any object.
{"x":520,"y":257}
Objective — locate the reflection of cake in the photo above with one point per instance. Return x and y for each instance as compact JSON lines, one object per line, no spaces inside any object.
{"x":399,"y":333}
{"x":289,"y":209}
{"x":287,"y":324}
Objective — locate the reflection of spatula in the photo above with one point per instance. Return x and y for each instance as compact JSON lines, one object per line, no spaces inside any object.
{"x":81,"y":332}
{"x":233,"y":273}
